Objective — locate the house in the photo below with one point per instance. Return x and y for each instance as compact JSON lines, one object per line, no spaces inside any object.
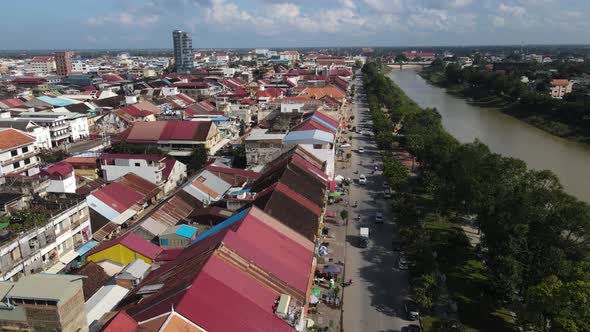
{"x":121,"y":200}
{"x":206,"y":187}
{"x":560,"y":88}
{"x":61,"y":178}
{"x":118,"y":120}
{"x":64,"y":126}
{"x":177,"y":138}
{"x":85,"y":167}
{"x":178,"y":236}
{"x":132,"y":274}
{"x":234,"y":176}
{"x":125,"y":250}
{"x":262,"y":146}
{"x":318,"y":142}
{"x":41,"y":65}
{"x":165,"y":172}
{"x":18,"y":153}
{"x":210,"y":279}
{"x":41,"y":134}
{"x":196,"y":89}
{"x":43,"y":302}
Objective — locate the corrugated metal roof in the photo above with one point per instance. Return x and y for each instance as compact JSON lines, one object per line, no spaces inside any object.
{"x":103,"y":301}
{"x":308,"y":137}
{"x":133,"y":242}
{"x":206,"y":186}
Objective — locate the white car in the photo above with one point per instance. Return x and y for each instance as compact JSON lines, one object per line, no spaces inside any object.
{"x":362,"y":179}
{"x":361,"y":150}
{"x":402,"y":265}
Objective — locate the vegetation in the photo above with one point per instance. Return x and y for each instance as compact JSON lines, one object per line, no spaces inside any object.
{"x":533,"y":255}
{"x":23,"y":220}
{"x":239,"y":157}
{"x":124,"y":147}
{"x":569,"y":117}
{"x":53,"y":156}
{"x":344,"y":215}
{"x":198,"y":158}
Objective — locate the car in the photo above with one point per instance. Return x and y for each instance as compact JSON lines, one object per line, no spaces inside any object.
{"x":361,"y":150}
{"x":362,"y":179}
{"x":345,"y":145}
{"x":413,"y":328}
{"x":379,"y":218}
{"x":401,"y":265}
{"x":411,"y":310}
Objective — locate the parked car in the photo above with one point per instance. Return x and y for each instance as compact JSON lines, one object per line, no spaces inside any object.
{"x":402,"y":265}
{"x":362,"y":179}
{"x":412,"y":312}
{"x":361,"y":150}
{"x":379,"y":218}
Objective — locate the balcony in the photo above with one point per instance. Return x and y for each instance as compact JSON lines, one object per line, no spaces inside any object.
{"x":61,"y":136}
{"x":20,"y":157}
{"x":59,"y":127}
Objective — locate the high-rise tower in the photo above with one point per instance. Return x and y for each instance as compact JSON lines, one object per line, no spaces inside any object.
{"x":183,"y":51}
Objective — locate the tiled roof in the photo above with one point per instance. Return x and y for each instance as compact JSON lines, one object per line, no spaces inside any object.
{"x":12,"y":138}
{"x":154,"y":131}
{"x":133,"y":242}
{"x":560,"y":82}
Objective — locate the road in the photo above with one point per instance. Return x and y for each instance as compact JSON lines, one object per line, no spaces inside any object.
{"x":374,"y":302}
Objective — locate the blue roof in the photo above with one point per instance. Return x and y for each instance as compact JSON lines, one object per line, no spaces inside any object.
{"x":59,"y":102}
{"x":186,"y":231}
{"x":324,"y":123}
{"x":220,"y":118}
{"x":86,"y":247}
{"x":226,"y":223}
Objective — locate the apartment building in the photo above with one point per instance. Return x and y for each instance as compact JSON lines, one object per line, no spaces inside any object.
{"x":41,"y":65}
{"x":41,"y":134}
{"x":18,"y":153}
{"x":50,"y":246}
{"x":63,"y":126}
{"x":560,"y":88}
{"x":63,"y":62}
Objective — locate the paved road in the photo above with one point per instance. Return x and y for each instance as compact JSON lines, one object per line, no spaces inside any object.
{"x":374,"y":303}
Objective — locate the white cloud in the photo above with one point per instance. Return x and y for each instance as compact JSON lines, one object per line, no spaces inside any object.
{"x":498,"y":21}
{"x":128,"y":19}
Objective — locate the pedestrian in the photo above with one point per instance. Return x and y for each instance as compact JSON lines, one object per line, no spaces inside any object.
{"x":332,"y":283}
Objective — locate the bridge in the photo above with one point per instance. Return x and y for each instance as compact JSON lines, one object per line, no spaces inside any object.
{"x":409,"y":65}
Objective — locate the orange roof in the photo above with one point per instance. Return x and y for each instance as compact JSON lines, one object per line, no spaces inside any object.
{"x":560,"y":82}
{"x":320,"y":92}
{"x":12,"y":138}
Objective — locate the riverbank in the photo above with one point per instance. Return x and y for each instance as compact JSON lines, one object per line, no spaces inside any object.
{"x":478,"y":99}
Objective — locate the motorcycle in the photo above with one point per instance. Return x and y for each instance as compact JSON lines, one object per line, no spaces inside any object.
{"x":355,"y":204}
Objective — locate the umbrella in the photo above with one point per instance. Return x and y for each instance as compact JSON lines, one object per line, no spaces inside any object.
{"x":332,"y":269}
{"x":313,"y":299}
{"x":316,"y":292}
{"x":335,"y":194}
{"x":338,"y":178}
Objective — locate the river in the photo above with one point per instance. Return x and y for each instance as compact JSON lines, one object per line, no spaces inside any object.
{"x":505,"y":135}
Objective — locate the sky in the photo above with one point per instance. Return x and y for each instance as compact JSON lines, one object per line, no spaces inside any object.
{"x":75,"y":24}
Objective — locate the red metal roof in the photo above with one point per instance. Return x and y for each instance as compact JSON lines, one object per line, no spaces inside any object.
{"x":61,"y":169}
{"x":118,"y":197}
{"x":29,"y":80}
{"x":326,"y":118}
{"x":151,"y":157}
{"x":134,"y":242}
{"x":14,"y":102}
{"x":169,"y":162}
{"x":227,"y":170}
{"x":121,"y":322}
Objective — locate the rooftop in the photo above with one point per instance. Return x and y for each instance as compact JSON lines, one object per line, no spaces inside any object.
{"x":257,"y":134}
{"x":50,"y":287}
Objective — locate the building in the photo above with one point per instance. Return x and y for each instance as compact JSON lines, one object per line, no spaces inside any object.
{"x":263,"y":147}
{"x":82,"y":65}
{"x":41,"y":65}
{"x":61,"y":178}
{"x":41,"y":134}
{"x":63,"y":63}
{"x":43,"y":302}
{"x":177,"y":138}
{"x":63,"y":126}
{"x":125,"y":250}
{"x":178,"y":236}
{"x":18,"y":153}
{"x":102,"y":302}
{"x":560,"y":88}
{"x":121,"y":201}
{"x":132,"y":274}
{"x":51,"y":246}
{"x":183,"y":51}
{"x":317,"y":142}
{"x":164,"y":172}
{"x":422,"y":56}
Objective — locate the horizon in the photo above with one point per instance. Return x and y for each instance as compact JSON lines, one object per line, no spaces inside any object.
{"x":215,"y":24}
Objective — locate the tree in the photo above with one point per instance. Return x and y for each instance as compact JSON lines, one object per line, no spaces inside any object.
{"x":53,"y":156}
{"x":344,"y":215}
{"x":395,"y":172}
{"x":242,"y":128}
{"x":400,"y":58}
{"x":124,"y":147}
{"x":198,"y":157}
{"x":423,"y":289}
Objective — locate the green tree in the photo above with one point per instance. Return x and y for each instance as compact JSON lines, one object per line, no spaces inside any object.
{"x":344,"y":215}
{"x":198,"y":157}
{"x":53,"y":156}
{"x":401,"y":58}
{"x":124,"y":147}
{"x":395,"y":172}
{"x":423,"y":290}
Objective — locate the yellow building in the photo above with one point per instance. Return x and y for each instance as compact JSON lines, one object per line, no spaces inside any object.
{"x":125,"y":250}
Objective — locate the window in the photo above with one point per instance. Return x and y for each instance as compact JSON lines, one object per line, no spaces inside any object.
{"x":14,"y":153}
{"x":137,"y":164}
{"x":25,"y":149}
{"x":164,"y":242}
{"x":27,"y":161}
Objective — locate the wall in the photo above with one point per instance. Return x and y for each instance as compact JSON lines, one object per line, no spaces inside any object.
{"x":118,"y":253}
{"x":124,"y":166}
{"x":65,"y":185}
{"x":176,"y":177}
{"x":79,"y":128}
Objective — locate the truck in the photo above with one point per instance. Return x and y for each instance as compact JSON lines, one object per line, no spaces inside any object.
{"x":364,"y":237}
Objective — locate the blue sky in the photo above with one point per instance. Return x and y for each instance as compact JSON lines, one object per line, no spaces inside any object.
{"x":77,"y":24}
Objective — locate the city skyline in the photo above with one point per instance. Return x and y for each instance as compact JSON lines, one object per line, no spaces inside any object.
{"x":297,"y":23}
